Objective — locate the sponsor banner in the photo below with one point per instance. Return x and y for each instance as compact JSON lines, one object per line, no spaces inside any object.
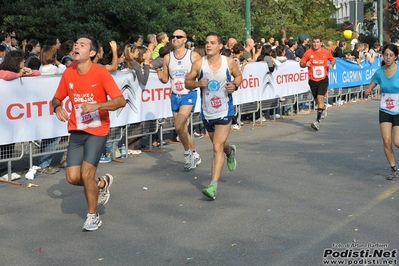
{"x":259,"y":84}
{"x":347,"y":73}
{"x":26,"y":112}
{"x":155,"y":99}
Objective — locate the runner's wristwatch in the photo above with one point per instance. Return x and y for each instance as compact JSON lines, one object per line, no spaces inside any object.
{"x":55,"y":107}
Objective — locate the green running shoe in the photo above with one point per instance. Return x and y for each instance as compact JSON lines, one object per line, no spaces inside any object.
{"x":231,"y":160}
{"x":210,"y":192}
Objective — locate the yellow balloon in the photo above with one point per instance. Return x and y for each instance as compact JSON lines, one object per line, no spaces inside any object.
{"x":348,"y":34}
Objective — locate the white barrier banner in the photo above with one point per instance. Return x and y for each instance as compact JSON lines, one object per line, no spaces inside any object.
{"x":155,"y":99}
{"x":259,"y":84}
{"x":26,"y":112}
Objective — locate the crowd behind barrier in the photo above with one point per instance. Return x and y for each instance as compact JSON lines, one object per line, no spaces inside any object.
{"x":27,"y":115}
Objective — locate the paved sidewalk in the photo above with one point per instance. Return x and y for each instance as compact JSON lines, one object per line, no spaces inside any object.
{"x":294,"y":194}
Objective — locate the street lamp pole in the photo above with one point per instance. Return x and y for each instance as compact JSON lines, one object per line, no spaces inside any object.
{"x":380,"y":23}
{"x":355,"y":25}
{"x":247,"y":19}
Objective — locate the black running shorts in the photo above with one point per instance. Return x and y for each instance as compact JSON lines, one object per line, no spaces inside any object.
{"x":393,"y":119}
{"x":318,"y":87}
{"x":209,"y":125}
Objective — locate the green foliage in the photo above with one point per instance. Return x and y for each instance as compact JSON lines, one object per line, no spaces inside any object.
{"x":393,"y":30}
{"x":273,"y":17}
{"x":390,"y":22}
{"x":118,"y":20}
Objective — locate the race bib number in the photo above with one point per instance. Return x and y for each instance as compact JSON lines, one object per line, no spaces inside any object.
{"x":214,"y":102}
{"x":177,"y":81}
{"x":390,"y":102}
{"x":86,"y":120}
{"x":178,"y":85}
{"x":318,"y":72}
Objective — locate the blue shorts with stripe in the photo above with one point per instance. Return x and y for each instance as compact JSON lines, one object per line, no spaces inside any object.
{"x":178,"y":100}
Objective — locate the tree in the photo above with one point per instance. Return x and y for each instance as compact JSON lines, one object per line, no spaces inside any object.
{"x":290,"y":17}
{"x":369,"y":28}
{"x":119,"y":20}
{"x":203,"y":16}
{"x":391,"y":27}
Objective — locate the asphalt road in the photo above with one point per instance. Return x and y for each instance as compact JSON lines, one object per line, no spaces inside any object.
{"x":295,"y":196}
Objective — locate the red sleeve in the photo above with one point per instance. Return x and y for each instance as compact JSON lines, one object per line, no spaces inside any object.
{"x":62,"y":90}
{"x":36,"y":73}
{"x":8,"y":75}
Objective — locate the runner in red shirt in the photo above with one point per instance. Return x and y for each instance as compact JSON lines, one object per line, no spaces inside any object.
{"x":318,"y":60}
{"x":88,"y":87}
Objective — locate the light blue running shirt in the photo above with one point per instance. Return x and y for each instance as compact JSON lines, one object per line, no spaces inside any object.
{"x":389,"y":91}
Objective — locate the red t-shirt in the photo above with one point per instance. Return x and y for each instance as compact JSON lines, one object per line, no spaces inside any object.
{"x":92,"y":87}
{"x":318,"y":69}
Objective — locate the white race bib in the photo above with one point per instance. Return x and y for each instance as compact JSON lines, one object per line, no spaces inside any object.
{"x":86,"y":120}
{"x":390,"y":102}
{"x":214,"y":101}
{"x":318,"y":72}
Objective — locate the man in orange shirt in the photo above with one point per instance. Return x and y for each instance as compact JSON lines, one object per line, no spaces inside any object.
{"x":318,"y":60}
{"x":87,"y":85}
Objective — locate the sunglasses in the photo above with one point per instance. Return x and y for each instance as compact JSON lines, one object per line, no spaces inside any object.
{"x":177,"y":36}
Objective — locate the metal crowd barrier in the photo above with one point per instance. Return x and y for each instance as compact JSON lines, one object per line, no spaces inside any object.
{"x":46,"y":147}
{"x":114,"y":137}
{"x":289,"y":101}
{"x":249,"y":108}
{"x":305,"y":97}
{"x":272,"y":104}
{"x":10,"y":153}
{"x":335,"y":94}
{"x":357,"y":91}
{"x":346,"y":92}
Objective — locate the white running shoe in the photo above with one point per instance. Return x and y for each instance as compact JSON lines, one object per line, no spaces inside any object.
{"x":235,"y":127}
{"x":316,"y":126}
{"x":93,"y":222}
{"x":189,"y":162}
{"x":197,"y":158}
{"x":103,"y":193}
{"x":198,"y":135}
{"x":324,"y":114}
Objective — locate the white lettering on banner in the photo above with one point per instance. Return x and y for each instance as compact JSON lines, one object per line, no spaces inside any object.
{"x":333,"y":78}
{"x":351,"y":76}
{"x":370,"y":73}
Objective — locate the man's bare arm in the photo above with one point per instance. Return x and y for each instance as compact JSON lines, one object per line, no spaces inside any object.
{"x":110,"y":105}
{"x":163,"y":75}
{"x":190,"y":82}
